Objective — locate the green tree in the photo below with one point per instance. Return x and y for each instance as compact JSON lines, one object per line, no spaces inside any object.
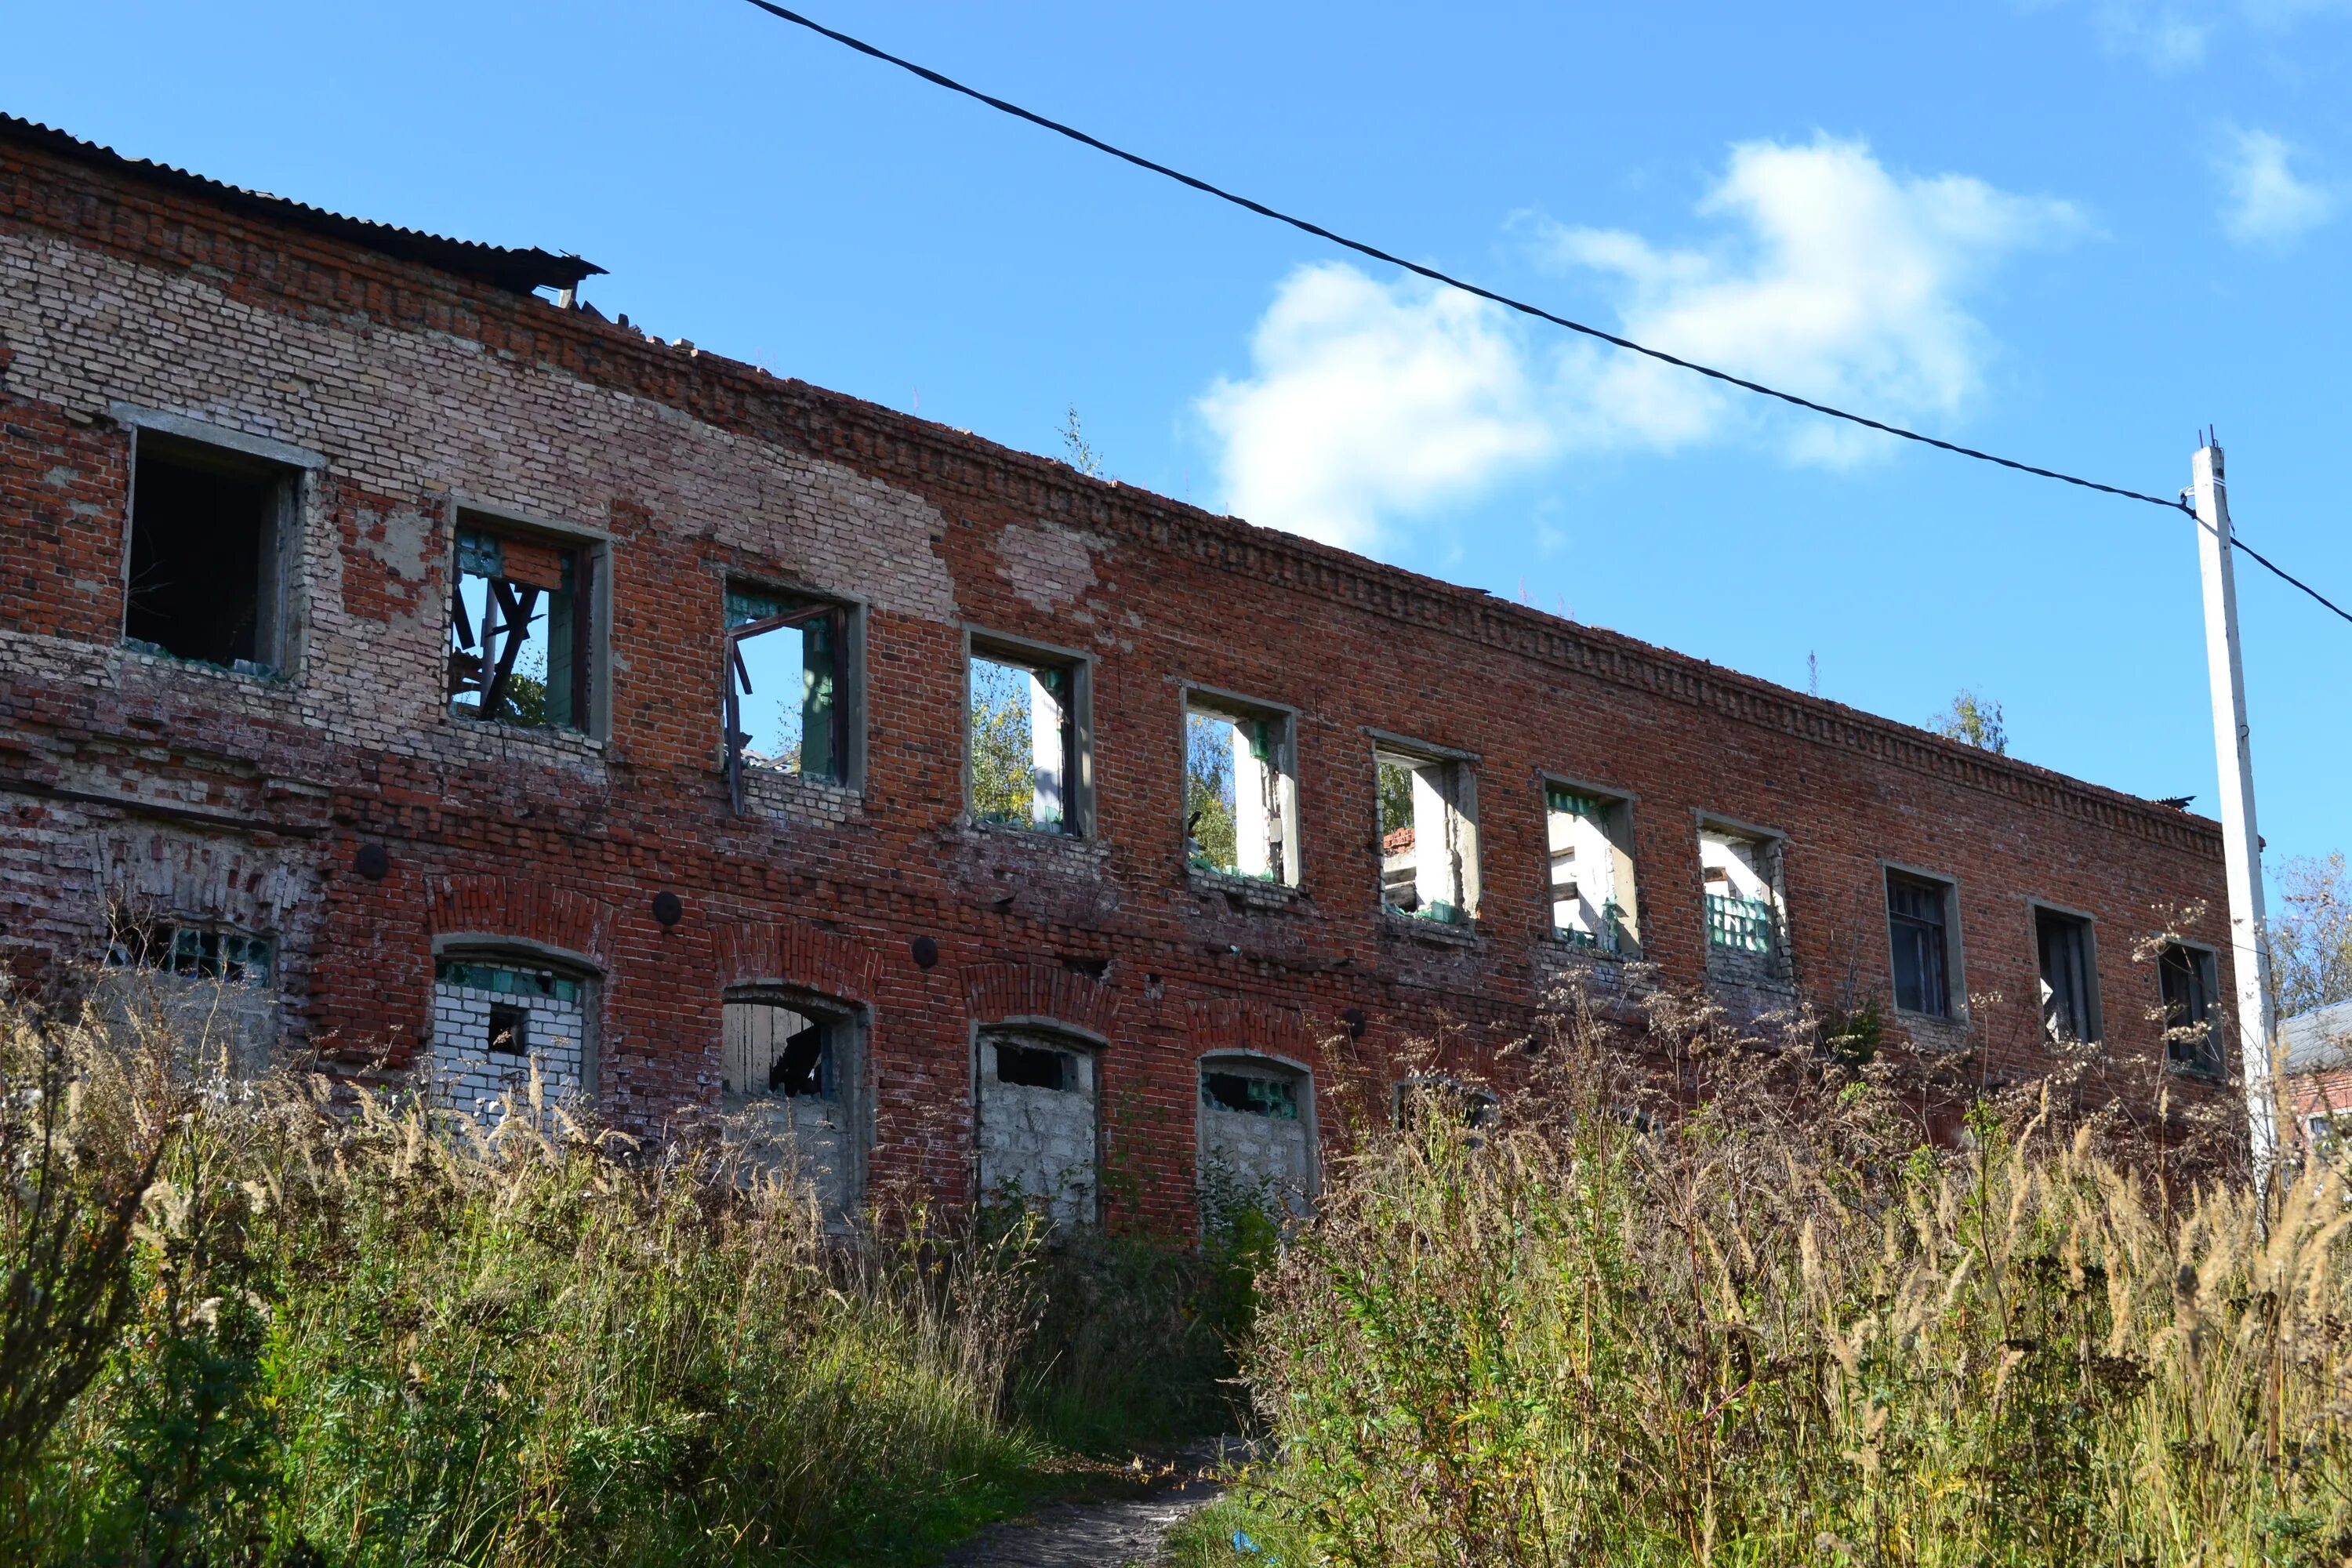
{"x":1209,"y":790}
{"x":1076,"y":451}
{"x":1972,"y":721}
{"x":1004,"y":785}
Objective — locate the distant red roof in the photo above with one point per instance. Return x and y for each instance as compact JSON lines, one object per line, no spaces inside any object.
{"x":1397,"y":842}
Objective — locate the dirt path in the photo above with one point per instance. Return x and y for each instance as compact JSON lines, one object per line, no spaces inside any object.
{"x":1117,"y":1532}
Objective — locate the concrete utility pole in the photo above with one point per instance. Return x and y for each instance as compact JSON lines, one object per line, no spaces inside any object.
{"x":2250,"y":953}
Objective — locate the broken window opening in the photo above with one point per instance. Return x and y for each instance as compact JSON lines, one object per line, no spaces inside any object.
{"x":507,"y":980}
{"x":775,"y":1050}
{"x":1024,"y":743}
{"x":1250,"y":1094}
{"x":519,"y":631}
{"x":1037,"y":1123}
{"x":1591,"y":870}
{"x":510,"y":1030}
{"x":786,"y":707}
{"x":1743,"y":905}
{"x":1240,"y":797}
{"x":1918,"y":922}
{"x":209,"y":531}
{"x":230,"y":957}
{"x":2070,"y":984}
{"x":2193,"y":1023}
{"x":1032,"y":1066}
{"x":1426,"y":837}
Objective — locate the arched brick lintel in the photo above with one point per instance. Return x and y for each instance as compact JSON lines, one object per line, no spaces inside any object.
{"x":797,"y":952}
{"x":996,"y":992}
{"x":1225,"y":1023}
{"x":522,"y":907}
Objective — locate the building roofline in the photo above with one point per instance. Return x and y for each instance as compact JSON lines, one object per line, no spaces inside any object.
{"x":517,"y":270}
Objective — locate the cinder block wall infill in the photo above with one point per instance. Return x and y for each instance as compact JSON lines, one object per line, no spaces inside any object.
{"x":243,"y":800}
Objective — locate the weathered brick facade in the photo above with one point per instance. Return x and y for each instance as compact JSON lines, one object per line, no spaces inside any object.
{"x":245,"y":800}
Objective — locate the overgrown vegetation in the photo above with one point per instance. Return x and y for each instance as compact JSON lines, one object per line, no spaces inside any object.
{"x":328,"y":1334}
{"x":1766,"y":1324}
{"x":2311,"y":936}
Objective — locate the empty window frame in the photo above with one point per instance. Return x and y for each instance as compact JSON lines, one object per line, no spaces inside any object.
{"x":788,"y":1072}
{"x":1922,"y":943}
{"x":1588,"y":838}
{"x":1037,"y":1122}
{"x":212,"y":532}
{"x":2069,"y":975}
{"x":1257,"y":1137}
{"x":1428,"y":834}
{"x":521,"y":645}
{"x":2192,"y":1015}
{"x":1241,"y":794}
{"x":1026,"y":738}
{"x":791,"y":681}
{"x":1747,"y":928}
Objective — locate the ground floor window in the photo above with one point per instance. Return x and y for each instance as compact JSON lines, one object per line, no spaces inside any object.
{"x":494,"y":1019}
{"x":213,"y":989}
{"x":1257,"y":1137}
{"x":790,"y":1080}
{"x":1037,"y":1122}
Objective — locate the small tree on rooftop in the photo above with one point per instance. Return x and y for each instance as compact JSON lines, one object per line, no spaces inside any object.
{"x":1973,"y":721}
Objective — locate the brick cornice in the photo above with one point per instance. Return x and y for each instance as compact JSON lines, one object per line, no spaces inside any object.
{"x":279,"y":265}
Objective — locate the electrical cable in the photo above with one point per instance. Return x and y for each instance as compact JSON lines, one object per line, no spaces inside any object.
{"x":1520,"y":305}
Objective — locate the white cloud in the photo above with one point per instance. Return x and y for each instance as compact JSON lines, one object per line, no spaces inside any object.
{"x":2263,"y":202}
{"x":1370,"y":399}
{"x":1372,"y":404}
{"x":2172,"y":34}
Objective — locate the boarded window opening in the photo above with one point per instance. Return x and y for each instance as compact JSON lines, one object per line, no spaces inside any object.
{"x":1426,"y":836}
{"x":1917,"y":917}
{"x":207,"y":542}
{"x":787,"y":707}
{"x":2193,"y":1023}
{"x":1250,"y":1095}
{"x":772,"y":1050}
{"x":1023,"y":747}
{"x":790,"y":1074}
{"x":1256,"y":1140}
{"x":227,"y":956}
{"x":1588,"y":836}
{"x":519,"y":649}
{"x":2070,"y":984}
{"x":498,"y":1018}
{"x":1239,"y":795}
{"x":1036,"y":1134}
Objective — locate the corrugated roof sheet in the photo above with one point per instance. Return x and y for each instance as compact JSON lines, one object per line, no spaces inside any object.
{"x":2319,"y":1038}
{"x":520,"y":270}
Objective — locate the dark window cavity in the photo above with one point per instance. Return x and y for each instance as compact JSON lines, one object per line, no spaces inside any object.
{"x":1917,"y":917}
{"x":510,"y":1030}
{"x":210,"y":532}
{"x":1025,"y":741}
{"x":788,"y":698}
{"x":519,"y":627}
{"x":2192,"y":1022}
{"x":1251,"y":1094}
{"x":1033,"y":1067}
{"x":2070,"y":984}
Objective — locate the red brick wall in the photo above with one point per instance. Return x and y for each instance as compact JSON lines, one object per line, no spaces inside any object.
{"x":424,"y":391}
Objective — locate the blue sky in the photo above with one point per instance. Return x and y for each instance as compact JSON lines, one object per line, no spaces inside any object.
{"x":2072,"y":231}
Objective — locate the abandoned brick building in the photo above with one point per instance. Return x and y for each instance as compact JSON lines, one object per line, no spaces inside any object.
{"x":451,"y":677}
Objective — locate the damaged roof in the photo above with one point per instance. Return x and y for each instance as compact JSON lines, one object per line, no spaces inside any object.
{"x":519,"y":271}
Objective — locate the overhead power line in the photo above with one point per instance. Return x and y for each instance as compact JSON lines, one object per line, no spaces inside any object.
{"x":937,"y":79}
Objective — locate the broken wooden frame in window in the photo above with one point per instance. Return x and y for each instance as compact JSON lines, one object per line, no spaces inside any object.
{"x":519,"y":631}
{"x":1921,"y":917}
{"x":1739,"y":875}
{"x":1589,"y":837}
{"x":789,"y":680}
{"x":791,"y":1079}
{"x":2067,"y":958}
{"x":1026,"y":738}
{"x":214,"y":532}
{"x":1427,"y":805}
{"x":1241,"y":794}
{"x":775,"y":1050}
{"x":2192,"y":1020}
{"x":231,"y":957}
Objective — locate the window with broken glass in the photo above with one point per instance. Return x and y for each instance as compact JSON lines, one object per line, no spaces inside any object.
{"x":1023,"y":742}
{"x":1580,"y":829}
{"x":1424,"y":837}
{"x":2192,"y":1024}
{"x":787,"y":709}
{"x":1238,"y":795}
{"x":231,"y":957}
{"x":519,"y":649}
{"x":1917,"y":921}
